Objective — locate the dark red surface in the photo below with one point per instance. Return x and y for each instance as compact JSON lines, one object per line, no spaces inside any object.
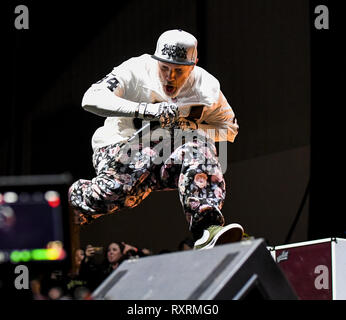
{"x":303,"y":272}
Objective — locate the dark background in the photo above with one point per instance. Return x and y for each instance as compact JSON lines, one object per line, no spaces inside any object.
{"x":282,"y":77}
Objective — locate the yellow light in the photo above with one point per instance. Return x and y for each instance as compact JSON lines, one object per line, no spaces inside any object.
{"x":53,"y":254}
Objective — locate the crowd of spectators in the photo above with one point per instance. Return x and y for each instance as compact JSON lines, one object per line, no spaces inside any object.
{"x":92,"y":265}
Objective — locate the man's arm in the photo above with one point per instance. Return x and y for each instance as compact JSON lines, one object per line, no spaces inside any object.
{"x":105,"y":99}
{"x":219,"y":121}
{"x":106,"y":103}
{"x":222,"y":120}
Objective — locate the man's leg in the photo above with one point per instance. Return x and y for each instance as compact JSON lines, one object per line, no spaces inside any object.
{"x":118,"y":184}
{"x":194,"y":168}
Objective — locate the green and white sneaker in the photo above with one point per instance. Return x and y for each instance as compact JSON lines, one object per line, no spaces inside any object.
{"x":216,"y":235}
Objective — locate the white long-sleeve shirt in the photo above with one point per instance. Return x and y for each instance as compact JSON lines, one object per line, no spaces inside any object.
{"x":136,"y":80}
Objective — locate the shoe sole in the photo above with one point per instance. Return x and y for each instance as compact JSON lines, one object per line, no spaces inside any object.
{"x":231,"y":233}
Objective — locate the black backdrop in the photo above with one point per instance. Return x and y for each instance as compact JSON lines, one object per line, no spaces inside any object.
{"x":327,"y":139}
{"x":260,"y":50}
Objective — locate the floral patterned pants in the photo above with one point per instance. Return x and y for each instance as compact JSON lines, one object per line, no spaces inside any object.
{"x":123,"y":181}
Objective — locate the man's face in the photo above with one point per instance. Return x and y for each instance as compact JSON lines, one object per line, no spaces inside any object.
{"x":173,"y":77}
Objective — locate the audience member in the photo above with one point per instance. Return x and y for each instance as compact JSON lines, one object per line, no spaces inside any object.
{"x":115,"y":254}
{"x":186,"y":244}
{"x":74,"y":281}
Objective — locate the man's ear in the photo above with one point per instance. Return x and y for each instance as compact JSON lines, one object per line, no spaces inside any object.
{"x":196,"y":61}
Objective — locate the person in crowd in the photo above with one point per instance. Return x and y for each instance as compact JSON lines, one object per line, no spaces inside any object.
{"x":74,"y":281}
{"x":115,"y":254}
{"x":186,"y":244}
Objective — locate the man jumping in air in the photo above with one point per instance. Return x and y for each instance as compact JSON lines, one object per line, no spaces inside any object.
{"x":180,"y":100}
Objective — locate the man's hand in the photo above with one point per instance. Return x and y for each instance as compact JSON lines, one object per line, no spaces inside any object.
{"x":185,"y":124}
{"x":166,"y":113}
